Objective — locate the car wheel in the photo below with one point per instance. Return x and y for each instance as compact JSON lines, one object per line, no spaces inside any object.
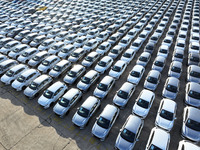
{"x":24,"y":87}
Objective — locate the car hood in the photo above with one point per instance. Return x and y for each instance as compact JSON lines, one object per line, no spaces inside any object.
{"x":33,"y":43}
{"x":78,"y":120}
{"x":42,"y":47}
{"x":6,"y":79}
{"x":72,"y":59}
{"x":82,"y":86}
{"x":119,"y":101}
{"x":58,"y":109}
{"x":193,"y":101}
{"x":99,"y":68}
{"x":122,"y":144}
{"x":169,"y":94}
{"x":133,"y":79}
{"x":166,"y":124}
{"x":99,"y":93}
{"x":54,"y":73}
{"x":149,"y":85}
{"x":29,"y":92}
{"x":99,"y":131}
{"x":114,"y":74}
{"x":140,"y":111}
{"x":43,"y":100}
{"x":42,"y":68}
{"x":69,"y":80}
{"x":16,"y":84}
{"x":86,"y":63}
{"x":191,"y":134}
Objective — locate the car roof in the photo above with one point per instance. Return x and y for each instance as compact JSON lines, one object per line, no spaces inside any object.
{"x":160,"y":138}
{"x":179,"y":51}
{"x":177,"y":64}
{"x":54,"y":87}
{"x":106,"y":58}
{"x":52,"y":57}
{"x":163,"y":46}
{"x":91,"y":73}
{"x":145,"y":54}
{"x":173,"y":81}
{"x":193,"y":113}
{"x":169,"y":105}
{"x":194,"y":86}
{"x":71,"y":93}
{"x":127,"y":86}
{"x":133,"y":123}
{"x":59,"y":43}
{"x":195,"y":43}
{"x":41,"y":78}
{"x":120,"y":63}
{"x":48,"y":40}
{"x":89,"y":102}
{"x":154,"y":73}
{"x":21,"y":45}
{"x":28,"y":72}
{"x":79,"y":50}
{"x":7,"y":62}
{"x":160,"y":58}
{"x":195,"y":68}
{"x":146,"y":95}
{"x":107,"y":79}
{"x":76,"y":67}
{"x":109,"y":111}
{"x":62,"y":62}
{"x":138,"y":68}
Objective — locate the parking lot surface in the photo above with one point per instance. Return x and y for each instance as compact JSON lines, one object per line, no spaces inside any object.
{"x":24,"y":124}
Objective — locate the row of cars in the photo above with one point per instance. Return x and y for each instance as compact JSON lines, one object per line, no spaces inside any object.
{"x":106,"y":120}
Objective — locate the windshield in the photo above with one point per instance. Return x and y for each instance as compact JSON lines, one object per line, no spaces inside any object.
{"x":171,"y":88}
{"x":102,"y":47}
{"x":88,"y":58}
{"x":102,"y":87}
{"x":71,"y":73}
{"x":153,"y":147}
{"x":74,"y":54}
{"x":193,"y":124}
{"x":163,"y":51}
{"x":124,"y":41}
{"x":142,"y":103}
{"x":194,"y":94}
{"x":21,"y":79}
{"x":104,"y":123}
{"x":158,"y":63}
{"x":176,"y":69}
{"x":178,"y":55}
{"x":114,"y":51}
{"x":135,"y":74}
{"x":143,"y":59}
{"x":195,"y":59}
{"x":57,"y":68}
{"x":48,"y":94}
{"x":112,"y":38}
{"x":10,"y":73}
{"x":127,"y":55}
{"x":64,"y":102}
{"x":83,"y":112}
{"x":154,"y":38}
{"x":45,"y":63}
{"x":89,"y":44}
{"x":33,"y":86}
{"x":44,"y":44}
{"x":122,"y":94}
{"x":102,"y":63}
{"x":36,"y":58}
{"x":85,"y":80}
{"x":116,"y":68}
{"x":152,"y":80}
{"x":25,"y":54}
{"x":195,"y":74}
{"x":166,"y":114}
{"x":128,"y":135}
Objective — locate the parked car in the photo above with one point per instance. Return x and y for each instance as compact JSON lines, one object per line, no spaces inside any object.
{"x":87,"y":80}
{"x":103,"y":88}
{"x":6,"y":65}
{"x":193,"y":59}
{"x":193,"y":74}
{"x":152,"y":80}
{"x":136,"y":74}
{"x":66,"y":51}
{"x":37,"y":85}
{"x":9,"y":47}
{"x":129,"y":133}
{"x":25,"y":79}
{"x":118,"y":69}
{"x":171,"y":88}
{"x":90,"y":45}
{"x":38,"y":58}
{"x":13,"y":73}
{"x":69,"y":99}
{"x":38,"y":40}
{"x":46,"y":44}
{"x":103,"y":48}
{"x":59,"y":68}
{"x":86,"y":111}
{"x":105,"y":121}
{"x":123,"y":95}
{"x":77,"y":55}
{"x":3,"y":58}
{"x":159,"y":63}
{"x":27,"y":54}
{"x":190,"y":127}
{"x":90,"y":59}
{"x":166,"y":114}
{"x":186,"y":145}
{"x":158,"y":139}
{"x":175,"y":69}
{"x":104,"y":64}
{"x":74,"y":73}
{"x":19,"y":49}
{"x":194,"y":47}
{"x":143,"y":103}
{"x":22,"y":34}
{"x":47,"y":64}
{"x":163,"y":51}
{"x":52,"y":94}
{"x":115,"y":51}
{"x":29,"y":37}
{"x":143,"y":59}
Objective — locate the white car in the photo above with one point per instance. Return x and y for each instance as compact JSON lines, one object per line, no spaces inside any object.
{"x":102,"y":36}
{"x":38,"y":58}
{"x":70,"y":98}
{"x":143,"y":103}
{"x":48,"y":63}
{"x":194,"y":47}
{"x":90,"y":45}
{"x":193,"y":74}
{"x":66,"y":51}
{"x":86,"y":111}
{"x":118,"y":69}
{"x":163,"y":51}
{"x":178,"y":55}
{"x":19,"y":49}
{"x":187,"y":145}
{"x":13,"y":73}
{"x":123,"y":95}
{"x":166,"y":114}
{"x":152,"y":80}
{"x":56,"y":47}
{"x":77,"y":55}
{"x":143,"y":59}
{"x":175,"y":69}
{"x":52,"y":94}
{"x":25,"y":79}
{"x":103,"y":48}
{"x":104,"y":64}
{"x":90,"y":59}
{"x":125,"y":41}
{"x":46,"y":44}
{"x":136,"y":74}
{"x":80,"y":42}
{"x":128,"y":55}
{"x":158,"y":140}
{"x":159,"y":63}
{"x":27,"y":55}
{"x":115,"y":51}
{"x":129,"y":133}
{"x":74,"y":73}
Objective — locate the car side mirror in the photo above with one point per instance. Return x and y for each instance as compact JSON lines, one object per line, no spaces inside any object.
{"x":78,"y":108}
{"x":175,"y":118}
{"x":120,"y":130}
{"x":137,"y":140}
{"x":97,"y":118}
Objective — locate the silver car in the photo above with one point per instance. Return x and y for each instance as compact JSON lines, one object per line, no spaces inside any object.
{"x":104,"y":87}
{"x":178,"y":55}
{"x":193,"y":74}
{"x":166,"y":114}
{"x":60,"y":68}
{"x":159,"y":63}
{"x":90,"y":59}
{"x":3,"y":58}
{"x":19,"y":49}
{"x":118,"y":69}
{"x":87,"y":80}
{"x":105,"y":121}
{"x":104,"y":64}
{"x":56,"y":47}
{"x":70,"y":98}
{"x":191,"y":121}
{"x":74,"y":73}
{"x":37,"y":85}
{"x":129,"y":133}
{"x":6,"y":65}
{"x":194,"y":59}
{"x":128,"y":55}
{"x":25,"y":79}
{"x":158,"y":139}
{"x":77,"y":55}
{"x":103,"y":48}
{"x":52,"y":94}
{"x":143,"y":103}
{"x":136,"y":74}
{"x":192,"y":94}
{"x":66,"y":51}
{"x":38,"y":58}
{"x":171,"y":88}
{"x":27,"y":55}
{"x":86,"y":111}
{"x":46,"y":44}
{"x":13,"y":73}
{"x":143,"y":59}
{"x":48,"y":63}
{"x":123,"y":95}
{"x":152,"y":80}
{"x":175,"y":69}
